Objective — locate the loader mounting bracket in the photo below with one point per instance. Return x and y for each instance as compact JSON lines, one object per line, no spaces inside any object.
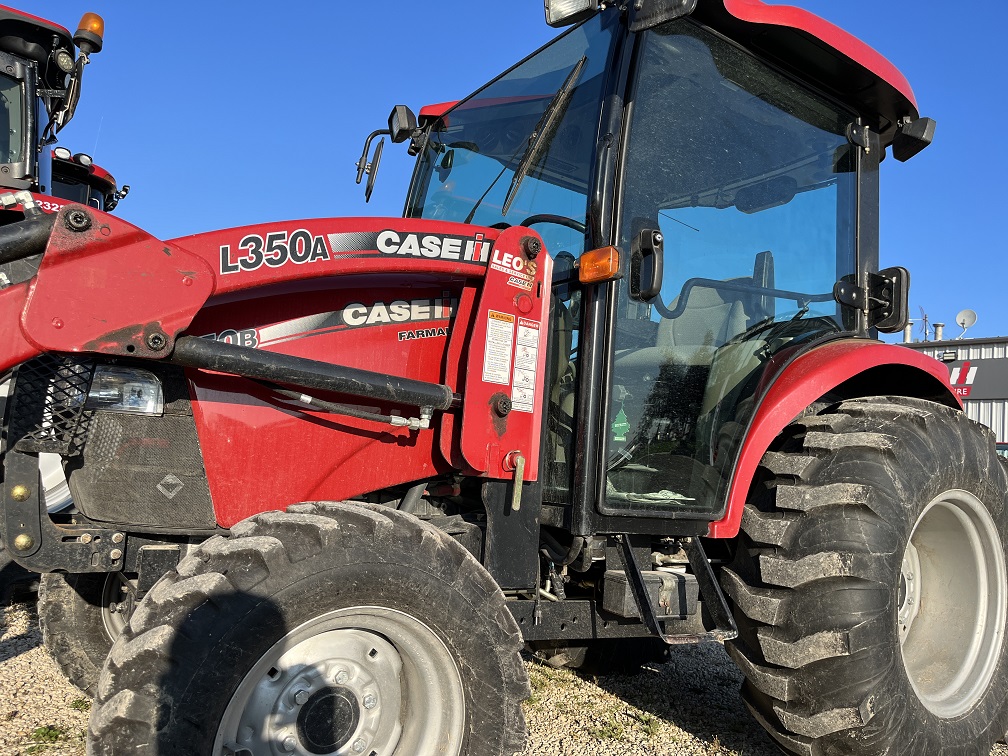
{"x":36,"y":542}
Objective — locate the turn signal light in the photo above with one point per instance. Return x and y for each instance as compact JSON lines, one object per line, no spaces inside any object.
{"x":599,"y":265}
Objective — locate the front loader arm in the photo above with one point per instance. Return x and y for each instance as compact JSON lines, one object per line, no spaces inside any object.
{"x":106,"y":287}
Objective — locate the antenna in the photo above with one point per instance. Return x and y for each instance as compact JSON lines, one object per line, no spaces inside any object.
{"x":924,"y":323}
{"x":966,"y":319}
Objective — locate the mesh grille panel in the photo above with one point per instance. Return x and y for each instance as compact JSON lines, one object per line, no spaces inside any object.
{"x":47,"y":405}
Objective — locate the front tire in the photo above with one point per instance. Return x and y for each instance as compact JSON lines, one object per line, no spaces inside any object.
{"x":325,"y":629}
{"x":81,"y":615}
{"x":870,"y":584}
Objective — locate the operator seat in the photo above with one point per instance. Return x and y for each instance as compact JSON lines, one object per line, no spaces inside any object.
{"x":709,"y":320}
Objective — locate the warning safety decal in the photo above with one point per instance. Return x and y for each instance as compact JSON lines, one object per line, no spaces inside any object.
{"x":499,"y":343}
{"x":525,"y":361}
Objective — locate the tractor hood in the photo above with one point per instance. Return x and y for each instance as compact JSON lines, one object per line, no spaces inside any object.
{"x":160,"y":285}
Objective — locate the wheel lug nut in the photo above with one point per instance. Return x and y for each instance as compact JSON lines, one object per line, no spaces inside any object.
{"x":370,"y":701}
{"x":289,"y":743}
{"x":359,"y":745}
{"x":342,"y":676}
{"x":300,"y":696}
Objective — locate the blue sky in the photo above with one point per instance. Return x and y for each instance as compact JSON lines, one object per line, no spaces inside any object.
{"x":223,"y":113}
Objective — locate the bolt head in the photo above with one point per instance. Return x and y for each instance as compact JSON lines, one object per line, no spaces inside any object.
{"x":301,"y":696}
{"x":115,"y":554}
{"x":342,"y":676}
{"x":20,"y":493}
{"x":359,"y":745}
{"x":289,"y":743}
{"x":78,"y":220}
{"x":23,"y":542}
{"x":86,"y":538}
{"x":157,"y":341}
{"x":370,"y":701}
{"x":117,"y":537}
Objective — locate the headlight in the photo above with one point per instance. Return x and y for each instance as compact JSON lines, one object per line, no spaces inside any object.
{"x":122,"y":389}
{"x":567,"y":12}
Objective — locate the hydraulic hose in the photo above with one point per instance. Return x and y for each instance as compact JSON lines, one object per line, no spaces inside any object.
{"x":25,"y":238}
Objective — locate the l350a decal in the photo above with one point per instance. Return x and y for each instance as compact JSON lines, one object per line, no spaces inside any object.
{"x":275,"y":251}
{"x":278,"y":248}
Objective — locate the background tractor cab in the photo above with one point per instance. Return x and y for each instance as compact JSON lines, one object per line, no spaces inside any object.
{"x":40,"y":86}
{"x":77,"y":178}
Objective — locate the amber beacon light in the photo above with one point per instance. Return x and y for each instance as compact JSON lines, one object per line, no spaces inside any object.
{"x":90,"y":33}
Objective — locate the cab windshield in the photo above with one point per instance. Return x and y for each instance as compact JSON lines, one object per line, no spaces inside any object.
{"x":470,"y":158}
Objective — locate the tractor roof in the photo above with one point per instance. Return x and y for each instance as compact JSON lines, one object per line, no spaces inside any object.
{"x":817,"y":51}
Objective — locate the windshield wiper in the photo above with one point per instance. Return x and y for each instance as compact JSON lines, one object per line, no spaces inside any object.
{"x":544,"y":131}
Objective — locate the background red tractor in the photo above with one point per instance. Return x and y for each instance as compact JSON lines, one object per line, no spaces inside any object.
{"x":612,"y":379}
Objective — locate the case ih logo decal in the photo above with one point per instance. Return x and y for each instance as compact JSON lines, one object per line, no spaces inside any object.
{"x":962,"y":379}
{"x":400,"y":311}
{"x":275,"y":251}
{"x":435,"y":246}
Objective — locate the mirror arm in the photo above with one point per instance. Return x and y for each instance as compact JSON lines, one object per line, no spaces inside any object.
{"x":362,"y":164}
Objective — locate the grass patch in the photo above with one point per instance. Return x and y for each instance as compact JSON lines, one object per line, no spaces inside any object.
{"x":47,"y":734}
{"x":81,"y":704}
{"x":608,"y":727}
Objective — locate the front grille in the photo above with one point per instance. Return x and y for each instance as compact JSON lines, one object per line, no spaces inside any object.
{"x":47,"y":405}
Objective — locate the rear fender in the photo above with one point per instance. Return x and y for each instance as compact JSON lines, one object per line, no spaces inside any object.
{"x":850,"y":368}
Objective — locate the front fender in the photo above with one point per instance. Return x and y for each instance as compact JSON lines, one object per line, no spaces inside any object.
{"x":862,"y":368}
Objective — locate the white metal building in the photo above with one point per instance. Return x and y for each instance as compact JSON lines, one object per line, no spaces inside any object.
{"x":979,"y":375}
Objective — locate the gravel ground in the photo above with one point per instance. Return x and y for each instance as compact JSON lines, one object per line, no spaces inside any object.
{"x":686,"y":707}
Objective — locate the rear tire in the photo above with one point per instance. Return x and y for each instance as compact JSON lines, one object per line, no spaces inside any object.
{"x":308,"y":631}
{"x":869,"y":584}
{"x":78,"y":624}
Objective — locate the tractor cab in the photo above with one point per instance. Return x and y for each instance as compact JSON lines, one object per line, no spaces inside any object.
{"x":741,"y":195}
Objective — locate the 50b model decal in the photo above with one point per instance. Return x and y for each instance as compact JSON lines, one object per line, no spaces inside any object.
{"x":274,"y":251}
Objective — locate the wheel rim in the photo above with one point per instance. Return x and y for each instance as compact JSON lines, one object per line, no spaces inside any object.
{"x":952,"y":603}
{"x":362,"y":680}
{"x":117,"y":604}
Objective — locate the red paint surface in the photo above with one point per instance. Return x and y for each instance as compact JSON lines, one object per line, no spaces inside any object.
{"x":14,"y":347}
{"x":261,"y":453}
{"x":438,"y":110}
{"x":487,"y":438}
{"x":801,"y":383}
{"x":758,"y":12}
{"x":107,"y":288}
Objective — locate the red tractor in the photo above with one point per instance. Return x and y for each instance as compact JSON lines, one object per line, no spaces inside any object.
{"x":612,"y":382}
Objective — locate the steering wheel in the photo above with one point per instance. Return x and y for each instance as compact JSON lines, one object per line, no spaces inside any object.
{"x":559,"y":220}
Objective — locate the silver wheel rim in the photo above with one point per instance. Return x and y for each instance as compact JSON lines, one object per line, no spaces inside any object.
{"x":117,"y":604}
{"x":55,"y":488}
{"x":952,"y":603}
{"x":361,"y":680}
